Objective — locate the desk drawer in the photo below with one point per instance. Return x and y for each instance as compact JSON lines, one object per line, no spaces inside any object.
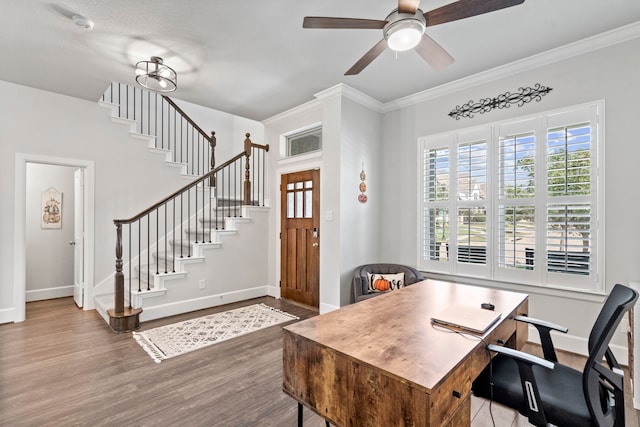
{"x":448,"y":400}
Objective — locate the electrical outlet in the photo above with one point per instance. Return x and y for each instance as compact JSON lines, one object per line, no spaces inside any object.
{"x":201,"y":285}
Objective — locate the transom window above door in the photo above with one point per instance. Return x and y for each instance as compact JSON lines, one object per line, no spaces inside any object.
{"x":303,"y":142}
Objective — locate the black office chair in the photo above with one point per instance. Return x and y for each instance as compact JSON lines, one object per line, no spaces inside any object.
{"x":545,"y":391}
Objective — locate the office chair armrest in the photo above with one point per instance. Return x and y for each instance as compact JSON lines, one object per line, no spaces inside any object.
{"x":533,"y":411}
{"x":544,"y":330}
{"x":542,"y":323}
{"x":521,"y":356}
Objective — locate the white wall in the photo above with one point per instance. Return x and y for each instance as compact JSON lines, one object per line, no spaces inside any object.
{"x":360,"y":237}
{"x":611,"y":74}
{"x":230,"y":130}
{"x":49,"y":257}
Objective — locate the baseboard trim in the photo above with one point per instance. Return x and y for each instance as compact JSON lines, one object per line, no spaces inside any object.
{"x":326,"y":308}
{"x":274,"y":291}
{"x":578,"y":345}
{"x":49,"y":293}
{"x":7,"y":315}
{"x":165,"y":310}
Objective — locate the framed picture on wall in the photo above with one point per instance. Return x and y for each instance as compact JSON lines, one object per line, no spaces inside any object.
{"x":51,"y":209}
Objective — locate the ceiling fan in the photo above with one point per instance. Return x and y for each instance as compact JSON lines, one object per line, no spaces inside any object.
{"x":404,"y":28}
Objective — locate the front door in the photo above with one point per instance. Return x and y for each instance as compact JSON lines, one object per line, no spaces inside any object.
{"x":78,"y":238}
{"x":300,"y":237}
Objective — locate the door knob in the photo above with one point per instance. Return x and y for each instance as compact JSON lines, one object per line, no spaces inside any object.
{"x":72,"y":243}
{"x":315,"y":245}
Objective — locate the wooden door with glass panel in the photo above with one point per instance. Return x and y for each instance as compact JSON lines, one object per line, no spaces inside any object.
{"x":300,"y":237}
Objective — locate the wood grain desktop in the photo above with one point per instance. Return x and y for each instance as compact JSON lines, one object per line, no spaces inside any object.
{"x":380,"y":362}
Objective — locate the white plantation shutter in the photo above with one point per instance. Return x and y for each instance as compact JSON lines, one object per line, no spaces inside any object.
{"x":569,"y":184}
{"x":435,"y":215}
{"x":472,"y":175}
{"x":518,"y":203}
{"x":516,"y":194}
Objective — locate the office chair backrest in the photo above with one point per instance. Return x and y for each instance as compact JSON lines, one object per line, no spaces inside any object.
{"x":619,"y":301}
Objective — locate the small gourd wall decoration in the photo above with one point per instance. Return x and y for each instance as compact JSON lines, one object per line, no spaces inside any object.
{"x":362,"y":198}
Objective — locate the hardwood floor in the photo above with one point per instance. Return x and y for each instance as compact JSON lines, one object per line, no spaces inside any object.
{"x":63,"y":366}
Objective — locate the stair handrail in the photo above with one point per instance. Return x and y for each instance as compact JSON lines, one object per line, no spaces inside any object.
{"x":133,"y":108}
{"x":181,"y":190}
{"x":119,"y":288}
{"x":188,"y":119}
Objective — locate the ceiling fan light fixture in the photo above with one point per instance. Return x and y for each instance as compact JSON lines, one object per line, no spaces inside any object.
{"x":404,"y":34}
{"x":155,"y":75}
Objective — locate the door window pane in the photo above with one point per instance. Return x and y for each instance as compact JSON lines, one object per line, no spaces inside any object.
{"x":290,"y":206}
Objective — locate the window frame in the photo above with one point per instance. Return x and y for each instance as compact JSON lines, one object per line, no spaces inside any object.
{"x":289,"y":139}
{"x":539,"y":276}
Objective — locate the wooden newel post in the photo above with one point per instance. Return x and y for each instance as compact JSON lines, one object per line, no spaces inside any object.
{"x":247,"y":172}
{"x":121,"y":319}
{"x":212,"y":144}
{"x":119,"y":277}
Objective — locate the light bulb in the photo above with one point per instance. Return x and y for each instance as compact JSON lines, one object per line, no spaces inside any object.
{"x":162,"y":83}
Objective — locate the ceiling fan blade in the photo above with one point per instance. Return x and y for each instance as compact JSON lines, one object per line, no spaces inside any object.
{"x":465,"y":9}
{"x":433,"y":53}
{"x":408,"y":6}
{"x":367,"y":58}
{"x":354,"y":23}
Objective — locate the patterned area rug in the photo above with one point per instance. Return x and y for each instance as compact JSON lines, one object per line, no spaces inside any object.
{"x":173,"y":340}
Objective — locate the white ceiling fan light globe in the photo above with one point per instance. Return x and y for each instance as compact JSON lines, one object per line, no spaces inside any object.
{"x":404,"y":34}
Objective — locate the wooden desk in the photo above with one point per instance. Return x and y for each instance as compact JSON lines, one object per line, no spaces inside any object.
{"x":380,"y":362}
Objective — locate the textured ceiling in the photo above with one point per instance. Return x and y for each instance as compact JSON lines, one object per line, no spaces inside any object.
{"x":253,"y":58}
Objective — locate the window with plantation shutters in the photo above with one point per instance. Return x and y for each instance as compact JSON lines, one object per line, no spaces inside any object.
{"x":516,"y":201}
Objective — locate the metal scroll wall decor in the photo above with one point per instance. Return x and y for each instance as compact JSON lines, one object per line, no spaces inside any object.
{"x":505,"y":100}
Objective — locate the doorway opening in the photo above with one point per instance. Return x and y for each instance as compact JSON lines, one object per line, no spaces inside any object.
{"x":82,"y":187}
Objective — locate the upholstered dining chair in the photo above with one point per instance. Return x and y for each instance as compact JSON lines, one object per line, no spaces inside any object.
{"x":546,"y":391}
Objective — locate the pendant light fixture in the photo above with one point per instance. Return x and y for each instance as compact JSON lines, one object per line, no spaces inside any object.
{"x":154,"y":75}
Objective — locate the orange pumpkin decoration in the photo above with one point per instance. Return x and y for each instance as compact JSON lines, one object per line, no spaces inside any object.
{"x":382,"y":285}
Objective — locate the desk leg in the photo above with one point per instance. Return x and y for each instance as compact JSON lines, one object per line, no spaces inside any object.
{"x":300,"y":421}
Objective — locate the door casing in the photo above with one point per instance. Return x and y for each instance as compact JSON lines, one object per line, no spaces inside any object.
{"x":19,"y":240}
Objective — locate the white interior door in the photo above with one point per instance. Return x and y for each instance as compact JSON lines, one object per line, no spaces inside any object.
{"x":78,"y":238}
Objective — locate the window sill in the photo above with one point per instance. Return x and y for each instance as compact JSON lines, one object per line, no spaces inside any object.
{"x":576,"y":294}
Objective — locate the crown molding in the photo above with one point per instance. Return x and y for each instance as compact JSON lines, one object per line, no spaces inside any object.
{"x":609,"y":38}
{"x":355,"y":95}
{"x":340,"y":89}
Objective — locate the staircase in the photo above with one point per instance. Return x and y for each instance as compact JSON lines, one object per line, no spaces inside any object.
{"x":203,"y":245}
